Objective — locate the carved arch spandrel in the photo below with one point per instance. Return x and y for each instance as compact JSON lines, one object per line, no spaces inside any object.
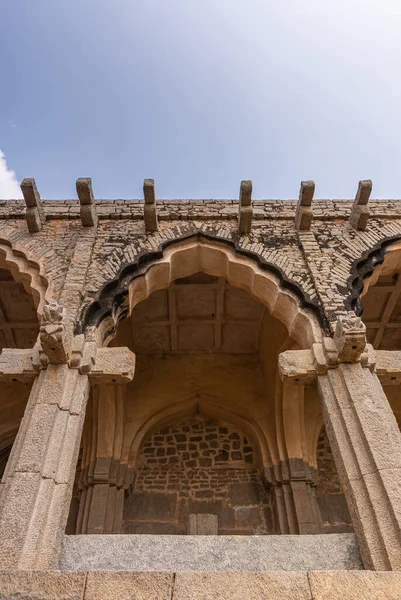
{"x":156,"y":271}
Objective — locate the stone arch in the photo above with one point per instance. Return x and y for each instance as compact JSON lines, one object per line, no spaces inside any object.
{"x":26,"y":271}
{"x":180,"y":454}
{"x":207,"y":407}
{"x":184,"y":257}
{"x":366,"y":270}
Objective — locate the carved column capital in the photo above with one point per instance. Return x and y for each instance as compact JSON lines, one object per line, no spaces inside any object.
{"x":350,"y":338}
{"x":55,"y":334}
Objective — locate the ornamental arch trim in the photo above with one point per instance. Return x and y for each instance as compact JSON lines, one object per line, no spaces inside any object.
{"x":26,"y":271}
{"x":186,"y":256}
{"x":366,"y":270}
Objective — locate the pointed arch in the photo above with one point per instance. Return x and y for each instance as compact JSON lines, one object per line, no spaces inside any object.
{"x":182,"y":258}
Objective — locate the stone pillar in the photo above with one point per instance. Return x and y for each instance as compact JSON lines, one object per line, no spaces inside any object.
{"x":102,"y":497}
{"x":363,"y":434}
{"x":40,"y":472}
{"x":299,"y":473}
{"x":366,"y":444}
{"x":37,"y":485}
{"x":293,"y":480}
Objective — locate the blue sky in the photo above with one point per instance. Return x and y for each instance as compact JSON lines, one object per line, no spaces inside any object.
{"x":199,"y":94}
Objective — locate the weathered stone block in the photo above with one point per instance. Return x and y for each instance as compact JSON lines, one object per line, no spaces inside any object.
{"x":356,"y":585}
{"x":103,"y":585}
{"x":41,"y":585}
{"x":244,"y":494}
{"x":202,"y":524}
{"x":151,"y":506}
{"x":240,"y":586}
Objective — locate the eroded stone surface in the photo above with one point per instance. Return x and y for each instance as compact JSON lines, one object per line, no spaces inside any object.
{"x":210,"y":553}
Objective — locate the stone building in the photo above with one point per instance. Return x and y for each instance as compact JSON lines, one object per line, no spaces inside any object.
{"x":200,"y":399}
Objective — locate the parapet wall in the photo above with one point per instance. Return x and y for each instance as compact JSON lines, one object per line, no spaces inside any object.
{"x":321,"y":247}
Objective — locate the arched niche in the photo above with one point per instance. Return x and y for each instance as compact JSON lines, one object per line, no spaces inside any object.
{"x":197,"y":464}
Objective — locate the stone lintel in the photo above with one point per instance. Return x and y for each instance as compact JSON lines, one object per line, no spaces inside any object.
{"x":35,"y":215}
{"x":113,"y":366}
{"x":245,"y":207}
{"x":87,"y":202}
{"x":304,"y":215}
{"x":149,"y":209}
{"x":360,"y":212}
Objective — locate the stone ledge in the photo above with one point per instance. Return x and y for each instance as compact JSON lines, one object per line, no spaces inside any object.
{"x":178,"y":553}
{"x":109,"y":585}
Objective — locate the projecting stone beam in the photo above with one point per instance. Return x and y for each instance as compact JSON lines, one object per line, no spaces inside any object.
{"x":113,"y":365}
{"x":304,"y":215}
{"x":302,"y":367}
{"x":35,"y":215}
{"x":360,"y":212}
{"x":16,"y":365}
{"x":87,"y":201}
{"x":245,"y":207}
{"x":149,"y":209}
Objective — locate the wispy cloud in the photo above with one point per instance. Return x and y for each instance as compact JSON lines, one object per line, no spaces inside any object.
{"x":9,"y":187}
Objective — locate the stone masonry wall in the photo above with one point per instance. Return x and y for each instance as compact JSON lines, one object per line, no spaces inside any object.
{"x":198,"y":466}
{"x":84,"y":259}
{"x":330,"y":497}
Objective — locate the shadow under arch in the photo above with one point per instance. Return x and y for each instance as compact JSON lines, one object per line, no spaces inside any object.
{"x":188,"y":255}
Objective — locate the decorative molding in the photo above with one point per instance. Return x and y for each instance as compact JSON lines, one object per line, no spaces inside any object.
{"x":361,"y":269}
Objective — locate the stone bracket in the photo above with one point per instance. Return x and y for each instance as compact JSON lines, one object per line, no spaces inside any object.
{"x":304,"y":215}
{"x":35,"y":215}
{"x":302,"y":367}
{"x":87,"y":202}
{"x":360,"y":212}
{"x":245,"y":207}
{"x":113,"y":365}
{"x":16,"y":365}
{"x":104,"y":365}
{"x":149,"y":209}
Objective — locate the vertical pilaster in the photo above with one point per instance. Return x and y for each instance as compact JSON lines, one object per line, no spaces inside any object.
{"x":40,"y":474}
{"x":300,"y":479}
{"x":102,"y":497}
{"x":366,"y":444}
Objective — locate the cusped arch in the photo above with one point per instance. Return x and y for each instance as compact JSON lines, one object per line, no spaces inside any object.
{"x":365,"y":271}
{"x":183,"y":258}
{"x":26,"y":271}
